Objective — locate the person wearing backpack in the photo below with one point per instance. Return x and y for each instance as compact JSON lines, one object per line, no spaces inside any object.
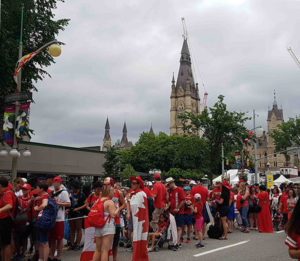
{"x":40,"y":203}
{"x":105,"y":233}
{"x":6,"y":206}
{"x":56,"y":237}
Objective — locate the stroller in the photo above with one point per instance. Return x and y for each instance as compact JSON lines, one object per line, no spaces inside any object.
{"x":169,"y":233}
{"x":216,"y":230}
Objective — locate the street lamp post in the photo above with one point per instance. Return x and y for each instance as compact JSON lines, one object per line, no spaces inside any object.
{"x":54,"y":50}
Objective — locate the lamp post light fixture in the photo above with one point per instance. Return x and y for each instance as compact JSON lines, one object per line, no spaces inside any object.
{"x":14,"y":153}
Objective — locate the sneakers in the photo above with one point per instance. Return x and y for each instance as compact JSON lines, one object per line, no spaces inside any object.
{"x":188,"y":240}
{"x":200,"y":245}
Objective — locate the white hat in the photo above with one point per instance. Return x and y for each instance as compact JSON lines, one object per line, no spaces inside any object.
{"x":197,"y":195}
{"x":169,"y":180}
{"x":193,"y":182}
{"x":149,"y":183}
{"x":24,"y":180}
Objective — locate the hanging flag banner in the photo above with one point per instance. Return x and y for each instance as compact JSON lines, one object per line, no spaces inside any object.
{"x":22,"y":119}
{"x":8,"y":126}
{"x":237,"y":156}
{"x":20,"y":64}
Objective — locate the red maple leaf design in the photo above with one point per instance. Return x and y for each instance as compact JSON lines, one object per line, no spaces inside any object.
{"x":142,"y":215}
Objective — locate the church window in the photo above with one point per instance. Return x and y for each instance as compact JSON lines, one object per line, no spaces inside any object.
{"x":266,"y":154}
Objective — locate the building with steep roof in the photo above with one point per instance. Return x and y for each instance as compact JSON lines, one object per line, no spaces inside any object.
{"x":125,"y":144}
{"x":266,"y":153}
{"x":185,"y":92}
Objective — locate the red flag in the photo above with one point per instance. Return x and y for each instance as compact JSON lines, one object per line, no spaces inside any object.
{"x":140,"y":219}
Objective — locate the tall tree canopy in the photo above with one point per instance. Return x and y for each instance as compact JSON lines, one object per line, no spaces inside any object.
{"x":40,"y":27}
{"x":165,"y":152}
{"x":287,"y":134}
{"x":219,"y":126}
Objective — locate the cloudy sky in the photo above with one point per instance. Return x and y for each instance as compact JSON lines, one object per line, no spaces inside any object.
{"x":120,"y":55}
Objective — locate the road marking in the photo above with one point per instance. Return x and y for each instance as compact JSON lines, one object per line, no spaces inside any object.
{"x":280,"y":231}
{"x":221,"y":248}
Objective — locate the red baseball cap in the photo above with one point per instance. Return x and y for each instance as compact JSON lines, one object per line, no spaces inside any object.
{"x":57,"y":180}
{"x":26,"y":186}
{"x":241,"y":180}
{"x":139,"y":180}
{"x":108,"y":181}
{"x":157,"y":176}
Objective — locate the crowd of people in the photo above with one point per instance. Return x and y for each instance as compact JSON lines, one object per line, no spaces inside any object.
{"x":144,"y":216}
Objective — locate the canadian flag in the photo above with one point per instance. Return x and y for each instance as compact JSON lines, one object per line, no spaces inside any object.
{"x":140,"y":219}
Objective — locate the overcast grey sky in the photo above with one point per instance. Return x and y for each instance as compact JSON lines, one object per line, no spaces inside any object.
{"x":120,"y":55}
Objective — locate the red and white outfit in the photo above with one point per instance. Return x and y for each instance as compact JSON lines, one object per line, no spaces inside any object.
{"x":140,"y":219}
{"x":293,"y":242}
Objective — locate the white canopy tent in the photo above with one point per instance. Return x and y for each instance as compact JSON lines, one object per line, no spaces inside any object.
{"x":232,"y":174}
{"x":281,"y":179}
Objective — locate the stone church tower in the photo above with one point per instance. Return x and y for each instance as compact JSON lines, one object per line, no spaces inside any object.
{"x":185,"y":92}
{"x":107,"y":139}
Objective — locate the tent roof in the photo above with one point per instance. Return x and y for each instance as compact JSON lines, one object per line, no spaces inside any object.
{"x":281,"y":179}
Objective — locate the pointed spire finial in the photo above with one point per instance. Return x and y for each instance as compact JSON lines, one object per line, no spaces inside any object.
{"x":151,"y":129}
{"x":275,"y":101}
{"x":173,"y":79}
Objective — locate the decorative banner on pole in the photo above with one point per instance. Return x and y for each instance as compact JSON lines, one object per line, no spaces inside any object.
{"x":25,"y":59}
{"x":8,"y":126}
{"x":22,"y":119}
{"x":237,"y":156}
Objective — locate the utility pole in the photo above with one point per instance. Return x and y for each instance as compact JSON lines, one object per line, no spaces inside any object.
{"x":17,"y":108}
{"x":255,"y":150}
{"x":223,"y":167}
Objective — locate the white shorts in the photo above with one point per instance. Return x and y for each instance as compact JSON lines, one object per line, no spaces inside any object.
{"x":108,"y":229}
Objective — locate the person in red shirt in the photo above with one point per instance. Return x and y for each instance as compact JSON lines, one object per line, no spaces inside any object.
{"x":293,"y":233}
{"x":216,"y":193}
{"x":188,"y":213}
{"x":176,"y":201}
{"x":93,"y":197}
{"x":197,"y":208}
{"x":7,"y":198}
{"x":42,"y":235}
{"x":159,"y":193}
{"x":204,"y":198}
{"x":283,"y":204}
{"x":21,"y":231}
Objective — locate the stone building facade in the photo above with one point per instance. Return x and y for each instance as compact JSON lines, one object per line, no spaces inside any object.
{"x":185,"y":92}
{"x":267,"y":158}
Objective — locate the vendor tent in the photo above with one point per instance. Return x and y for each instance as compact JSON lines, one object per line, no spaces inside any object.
{"x":281,"y":179}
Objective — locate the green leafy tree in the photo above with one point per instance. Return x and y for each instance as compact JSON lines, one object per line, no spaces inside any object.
{"x":40,"y":27}
{"x":219,"y":126}
{"x":127,"y":172}
{"x":112,"y":163}
{"x":287,"y":135}
{"x":165,"y":152}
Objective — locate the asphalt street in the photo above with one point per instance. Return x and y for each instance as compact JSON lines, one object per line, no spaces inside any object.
{"x":254,"y":246}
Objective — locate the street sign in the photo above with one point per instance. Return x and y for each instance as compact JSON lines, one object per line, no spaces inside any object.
{"x":20,"y":96}
{"x":270,"y":181}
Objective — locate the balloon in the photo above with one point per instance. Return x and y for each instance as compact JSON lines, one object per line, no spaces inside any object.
{"x":54,"y":50}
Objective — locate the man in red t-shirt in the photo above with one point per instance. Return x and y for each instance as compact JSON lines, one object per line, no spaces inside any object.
{"x":159,"y":193}
{"x":7,"y":199}
{"x":204,"y":198}
{"x":176,"y":202}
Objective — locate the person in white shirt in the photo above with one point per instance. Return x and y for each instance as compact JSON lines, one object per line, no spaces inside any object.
{"x":56,"y":237}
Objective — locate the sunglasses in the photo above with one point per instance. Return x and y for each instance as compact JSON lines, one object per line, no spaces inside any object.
{"x":134,"y":183}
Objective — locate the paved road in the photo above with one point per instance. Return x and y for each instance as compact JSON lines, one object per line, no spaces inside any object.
{"x":252,"y":247}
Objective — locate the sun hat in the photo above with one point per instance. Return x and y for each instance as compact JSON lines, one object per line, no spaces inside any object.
{"x":138,"y":179}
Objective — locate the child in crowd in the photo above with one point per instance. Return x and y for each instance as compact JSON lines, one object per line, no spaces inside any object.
{"x":197,"y":210}
{"x":162,"y":225}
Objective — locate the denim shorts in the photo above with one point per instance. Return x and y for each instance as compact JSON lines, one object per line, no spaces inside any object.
{"x":42,"y":236}
{"x":188,"y":219}
{"x":179,"y":220}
